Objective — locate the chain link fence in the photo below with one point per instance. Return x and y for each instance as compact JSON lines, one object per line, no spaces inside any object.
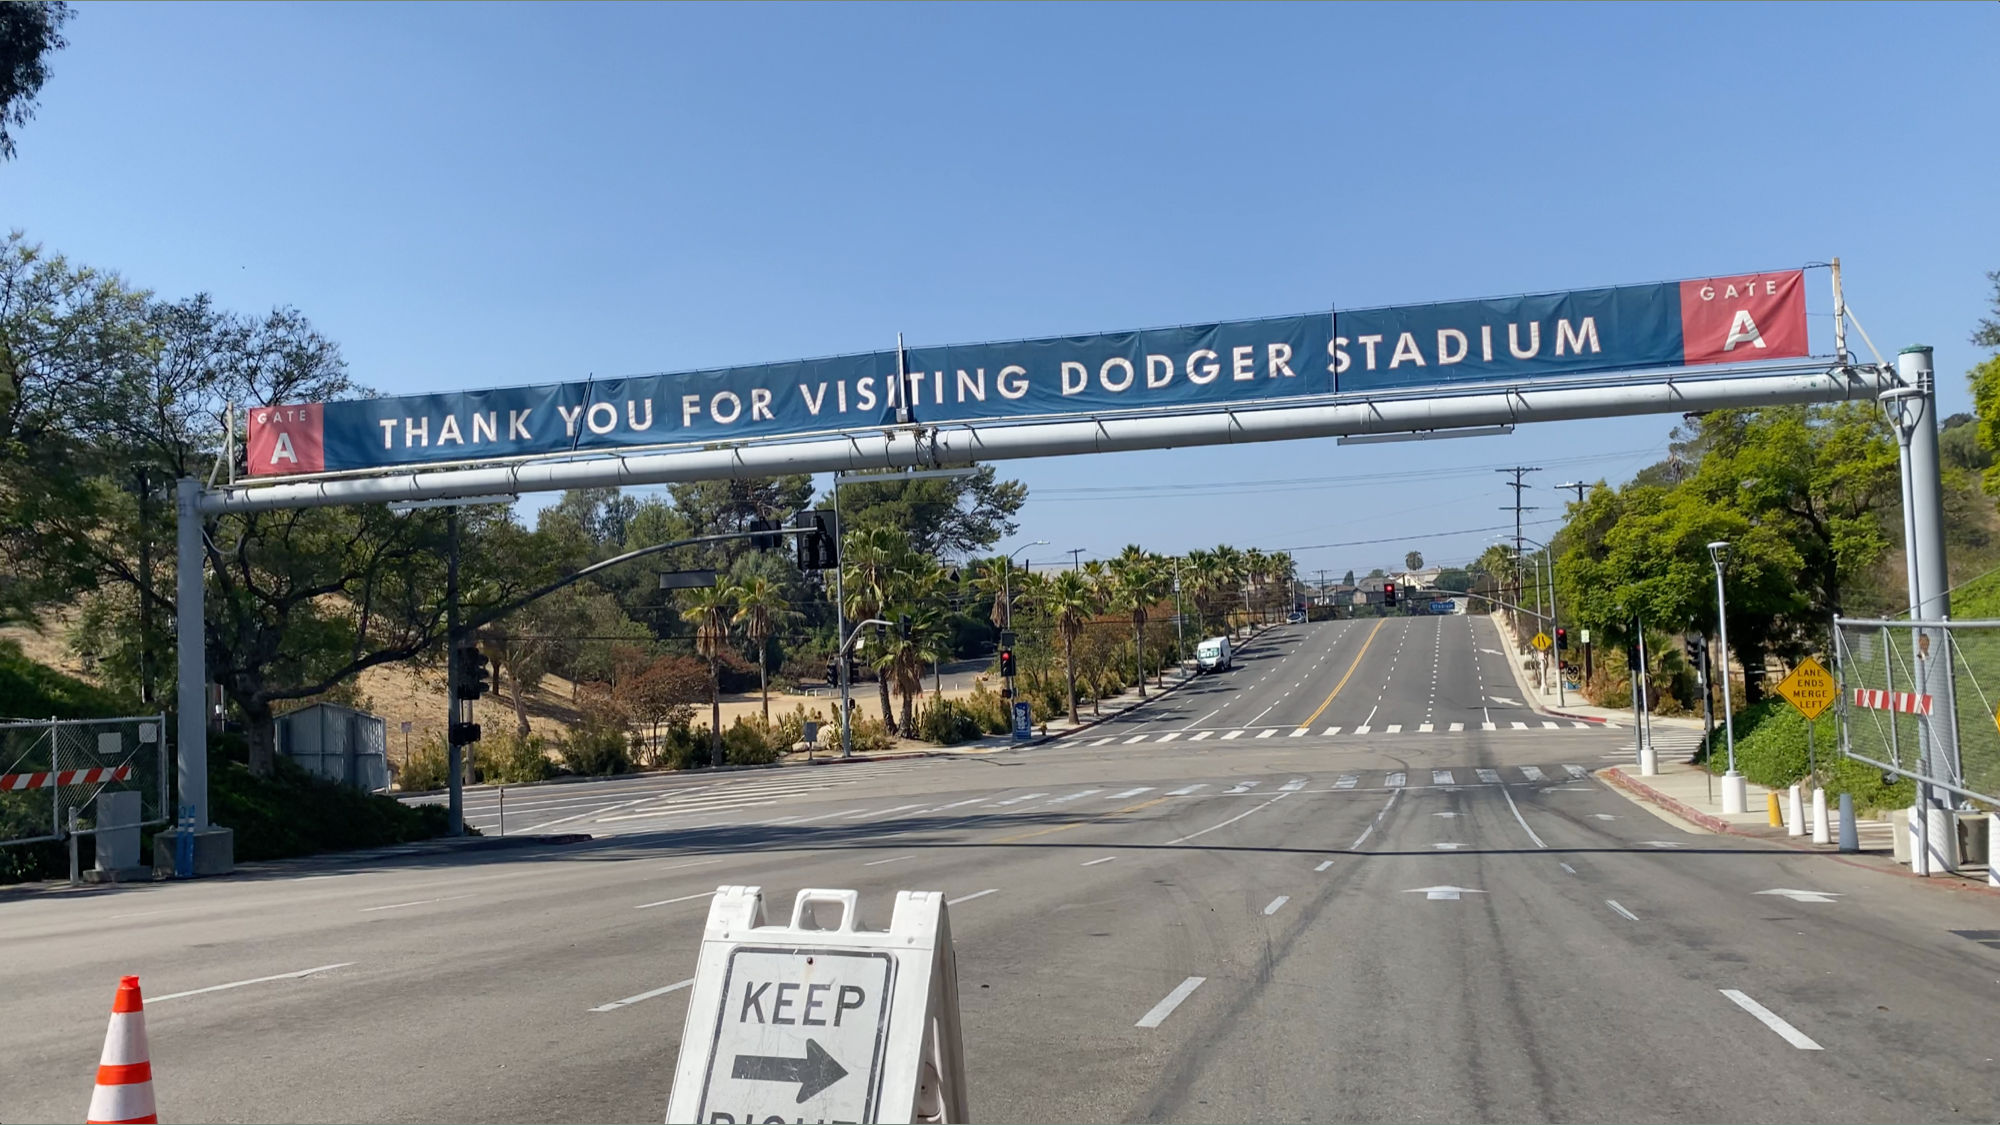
{"x":1919,"y":699}
{"x":50,"y":767}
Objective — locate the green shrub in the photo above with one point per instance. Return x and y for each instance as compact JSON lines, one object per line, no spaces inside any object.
{"x":991,"y":711}
{"x":510,"y":759}
{"x":1771,"y":751}
{"x":746,"y":743}
{"x":293,"y":813}
{"x":682,"y":747}
{"x":596,"y":751}
{"x":426,"y":768}
{"x":947,"y":723}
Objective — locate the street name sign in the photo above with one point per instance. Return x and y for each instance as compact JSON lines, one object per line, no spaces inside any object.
{"x":810,"y":1022}
{"x":1810,"y":688}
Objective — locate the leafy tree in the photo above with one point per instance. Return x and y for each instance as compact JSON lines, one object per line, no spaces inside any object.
{"x":1070,"y":602}
{"x":1454,"y":579}
{"x":761,"y":609}
{"x":1347,"y":579}
{"x":707,"y":609}
{"x":941,"y":516}
{"x":1138,"y":583}
{"x":30,"y":31}
{"x":1413,"y":561}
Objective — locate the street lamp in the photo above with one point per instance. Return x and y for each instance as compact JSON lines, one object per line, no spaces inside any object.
{"x":1734,"y":792}
{"x":1007,"y":577}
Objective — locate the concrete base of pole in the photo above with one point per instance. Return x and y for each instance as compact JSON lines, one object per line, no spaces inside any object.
{"x":1795,"y":812}
{"x":1933,"y":841}
{"x":1821,"y":834}
{"x":1735,"y":793}
{"x":1649,"y":762}
{"x":1850,"y":833}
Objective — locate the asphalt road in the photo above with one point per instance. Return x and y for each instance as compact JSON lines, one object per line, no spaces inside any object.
{"x":1396,"y":924}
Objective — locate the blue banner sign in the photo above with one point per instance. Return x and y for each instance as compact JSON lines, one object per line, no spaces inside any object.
{"x":1024,"y":720}
{"x":1237,"y":363}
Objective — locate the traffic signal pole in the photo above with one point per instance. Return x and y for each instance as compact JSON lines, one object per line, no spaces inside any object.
{"x":454,"y":756}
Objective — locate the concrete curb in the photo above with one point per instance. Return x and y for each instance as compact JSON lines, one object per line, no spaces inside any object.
{"x":1618,"y":777}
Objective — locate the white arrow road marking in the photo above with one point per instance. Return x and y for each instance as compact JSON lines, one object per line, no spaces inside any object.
{"x":1771,"y":1020}
{"x":1166,"y":1007}
{"x":1443,"y":893}
{"x":1628,"y":915}
{"x":1804,"y":896}
{"x":1505,"y":701}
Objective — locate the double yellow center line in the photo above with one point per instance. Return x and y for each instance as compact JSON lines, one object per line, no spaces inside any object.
{"x":1370,"y":639}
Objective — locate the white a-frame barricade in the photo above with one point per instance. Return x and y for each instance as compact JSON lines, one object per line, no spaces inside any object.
{"x":822,"y":1020}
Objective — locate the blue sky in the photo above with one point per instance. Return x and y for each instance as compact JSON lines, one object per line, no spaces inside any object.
{"x":468,"y":196}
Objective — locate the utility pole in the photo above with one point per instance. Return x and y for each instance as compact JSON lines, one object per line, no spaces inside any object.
{"x":1517,"y":508}
{"x":145,"y":586}
{"x":1075,"y":553}
{"x":454,"y":756}
{"x":1575,"y":484}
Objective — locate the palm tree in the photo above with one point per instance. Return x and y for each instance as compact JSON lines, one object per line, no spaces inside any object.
{"x":874,"y":558}
{"x":1139,"y":582}
{"x":708,"y":611}
{"x":1282,"y":571}
{"x":1069,"y":599}
{"x":990,"y":580}
{"x":910,"y":649}
{"x":1229,"y":577}
{"x":761,"y":608}
{"x":1413,"y":561}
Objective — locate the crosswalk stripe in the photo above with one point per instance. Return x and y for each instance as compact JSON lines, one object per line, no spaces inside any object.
{"x":1490,"y":777}
{"x":1441,"y":777}
{"x":1170,"y":736}
{"x":1300,"y":732}
{"x":1532,"y":773}
{"x":1135,"y":738}
{"x":1293,"y":786}
{"x":1395,"y":780}
{"x":1074,"y":796}
{"x":1581,"y":726}
{"x":1101,"y":742}
{"x":1518,"y":725}
{"x":1016,"y":800}
{"x":1130,"y":793}
{"x":1199,"y":735}
{"x":1363,"y":729}
{"x":885,"y":812}
{"x":1347,"y":781}
{"x":1329,"y":732}
{"x":1243,"y":786}
{"x":1456,"y":727}
{"x":1576,"y":771}
{"x":1425,"y":728}
{"x":1393,"y":728}
{"x":1232,"y":734}
{"x":1546,"y":725}
{"x":1267,"y":733}
{"x":1187,"y":789}
{"x":1486,"y":726}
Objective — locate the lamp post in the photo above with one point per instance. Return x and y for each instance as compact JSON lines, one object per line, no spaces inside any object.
{"x":1007,"y":579}
{"x":1734,"y":792}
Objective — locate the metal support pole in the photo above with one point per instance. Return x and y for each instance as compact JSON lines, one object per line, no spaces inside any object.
{"x":1733,"y":788}
{"x":1926,"y":524}
{"x":454,"y":756}
{"x":1645,"y":697}
{"x":1555,"y":624}
{"x":1708,"y":717}
{"x":840,"y":617}
{"x":190,"y":619}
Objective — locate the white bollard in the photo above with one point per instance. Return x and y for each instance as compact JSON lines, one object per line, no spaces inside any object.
{"x":1822,"y":834}
{"x":1649,"y":762}
{"x":1993,"y":849}
{"x":1850,"y":833}
{"x":1795,"y":812}
{"x":1735,"y":793}
{"x":1913,"y":823}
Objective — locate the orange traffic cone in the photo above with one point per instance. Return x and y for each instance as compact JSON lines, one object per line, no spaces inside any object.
{"x":124,"y":1093}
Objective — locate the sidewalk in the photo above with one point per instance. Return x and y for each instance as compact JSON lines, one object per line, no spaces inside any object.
{"x":1573,"y":705}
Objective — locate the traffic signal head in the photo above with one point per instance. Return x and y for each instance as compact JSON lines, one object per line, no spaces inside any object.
{"x":473,"y":677}
{"x":763,"y":534}
{"x":1006,"y":663}
{"x":1562,"y":638}
{"x":1388,"y":593}
{"x":1694,"y":648}
{"x":903,"y":626}
{"x":833,"y":671}
{"x":817,"y":547}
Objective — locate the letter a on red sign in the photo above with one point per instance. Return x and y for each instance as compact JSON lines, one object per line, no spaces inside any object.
{"x":286,"y":439}
{"x":1745,"y":318}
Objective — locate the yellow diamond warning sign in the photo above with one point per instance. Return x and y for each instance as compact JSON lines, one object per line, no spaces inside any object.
{"x":1541,"y":642}
{"x":1809,"y":688}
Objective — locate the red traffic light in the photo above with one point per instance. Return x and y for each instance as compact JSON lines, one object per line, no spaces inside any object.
{"x":1007,"y":664}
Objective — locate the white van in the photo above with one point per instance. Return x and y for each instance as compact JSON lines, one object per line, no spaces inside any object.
{"x":1212,"y":655}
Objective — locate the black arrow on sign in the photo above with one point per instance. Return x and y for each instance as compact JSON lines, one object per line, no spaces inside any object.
{"x":814,"y":1073}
